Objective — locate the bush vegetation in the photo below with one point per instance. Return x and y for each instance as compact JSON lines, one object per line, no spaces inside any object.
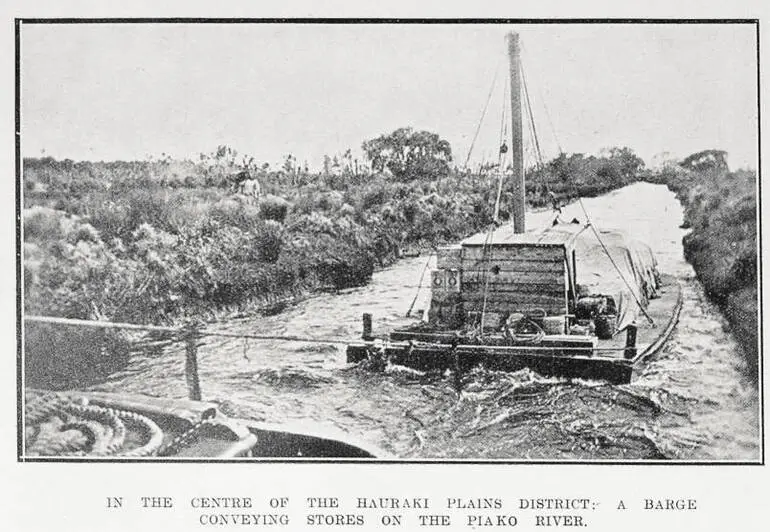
{"x":721,"y":209}
{"x":158,"y":240}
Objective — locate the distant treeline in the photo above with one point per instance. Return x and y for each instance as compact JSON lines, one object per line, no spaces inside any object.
{"x":156,"y":241}
{"x":721,"y":209}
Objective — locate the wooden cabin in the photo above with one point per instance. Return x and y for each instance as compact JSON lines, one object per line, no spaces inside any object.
{"x":505,"y":273}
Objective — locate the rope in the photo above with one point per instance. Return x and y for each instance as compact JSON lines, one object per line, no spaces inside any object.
{"x":609,"y":256}
{"x":531,"y":121}
{"x":133,"y":326}
{"x":52,"y":442}
{"x":622,"y":277}
{"x":582,"y":206}
{"x":526,"y":337}
{"x":503,"y":121}
{"x":483,"y":114}
{"x":485,"y":261}
{"x":419,"y":285}
{"x":55,"y":425}
{"x":547,"y":112}
{"x":189,"y":436}
{"x":496,"y":216}
{"x":501,"y":157}
{"x":107,"y":430}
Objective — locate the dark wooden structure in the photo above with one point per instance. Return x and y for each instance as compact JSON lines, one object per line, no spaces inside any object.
{"x":503,"y":272}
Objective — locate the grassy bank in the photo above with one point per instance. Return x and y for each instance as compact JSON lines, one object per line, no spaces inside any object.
{"x":721,"y":210}
{"x":164,"y":241}
{"x":158,"y":241}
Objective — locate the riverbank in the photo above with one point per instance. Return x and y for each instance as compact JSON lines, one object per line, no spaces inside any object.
{"x":721,"y":211}
{"x":163,"y":241}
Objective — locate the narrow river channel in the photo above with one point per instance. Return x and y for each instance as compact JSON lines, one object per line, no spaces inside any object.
{"x":689,"y":403}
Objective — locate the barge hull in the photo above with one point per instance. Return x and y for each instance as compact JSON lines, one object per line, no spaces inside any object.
{"x":564,"y":356}
{"x":427,"y":358}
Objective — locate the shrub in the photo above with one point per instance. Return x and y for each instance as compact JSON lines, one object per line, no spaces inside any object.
{"x":273,"y":208}
{"x":345,"y":268}
{"x":269,"y":241}
{"x":720,"y":207}
{"x":85,"y":232}
{"x":233,"y":212}
{"x":374,"y":196}
{"x":43,"y":224}
{"x":112,"y":220}
{"x":129,"y":247}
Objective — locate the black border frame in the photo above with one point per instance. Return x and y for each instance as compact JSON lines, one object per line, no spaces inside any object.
{"x":19,"y":22}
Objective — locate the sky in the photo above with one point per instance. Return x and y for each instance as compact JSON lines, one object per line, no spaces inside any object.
{"x":130,"y":91}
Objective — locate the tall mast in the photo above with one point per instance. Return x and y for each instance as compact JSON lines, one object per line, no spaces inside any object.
{"x":517,"y":141}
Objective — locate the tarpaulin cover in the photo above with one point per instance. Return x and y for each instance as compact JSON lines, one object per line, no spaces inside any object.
{"x":631,"y":280}
{"x":632,"y":277}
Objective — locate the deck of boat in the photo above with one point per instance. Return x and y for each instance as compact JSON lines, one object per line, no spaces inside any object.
{"x":607,"y":361}
{"x":663,"y":311}
{"x":224,"y":437}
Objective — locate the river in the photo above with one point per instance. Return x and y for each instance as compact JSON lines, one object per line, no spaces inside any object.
{"x":690,"y":403}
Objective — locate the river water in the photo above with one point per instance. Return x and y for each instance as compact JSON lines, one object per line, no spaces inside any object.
{"x":691,"y":402}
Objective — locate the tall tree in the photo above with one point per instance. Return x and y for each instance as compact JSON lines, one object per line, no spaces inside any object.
{"x":706,"y":160}
{"x":409,"y":154}
{"x":626,"y":162}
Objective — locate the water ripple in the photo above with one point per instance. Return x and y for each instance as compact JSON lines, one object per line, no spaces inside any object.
{"x":690,"y":403}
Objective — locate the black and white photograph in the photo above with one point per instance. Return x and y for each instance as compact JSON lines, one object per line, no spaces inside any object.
{"x":447,"y":241}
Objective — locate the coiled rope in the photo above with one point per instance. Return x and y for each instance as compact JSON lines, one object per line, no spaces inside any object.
{"x":57,"y":425}
{"x":521,"y":331}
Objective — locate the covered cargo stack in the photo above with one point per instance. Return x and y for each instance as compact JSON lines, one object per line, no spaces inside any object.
{"x":519,"y":275}
{"x":503,"y":278}
{"x":540,"y":273}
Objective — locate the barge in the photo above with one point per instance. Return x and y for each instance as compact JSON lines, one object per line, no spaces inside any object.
{"x":567,"y":300}
{"x":549,"y":300}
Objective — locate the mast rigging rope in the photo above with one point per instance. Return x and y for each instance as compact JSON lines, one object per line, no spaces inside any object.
{"x":533,"y":128}
{"x":582,"y":205}
{"x":501,"y":158}
{"x":609,"y":255}
{"x":419,"y":285}
{"x":547,"y":112}
{"x":483,"y":114}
